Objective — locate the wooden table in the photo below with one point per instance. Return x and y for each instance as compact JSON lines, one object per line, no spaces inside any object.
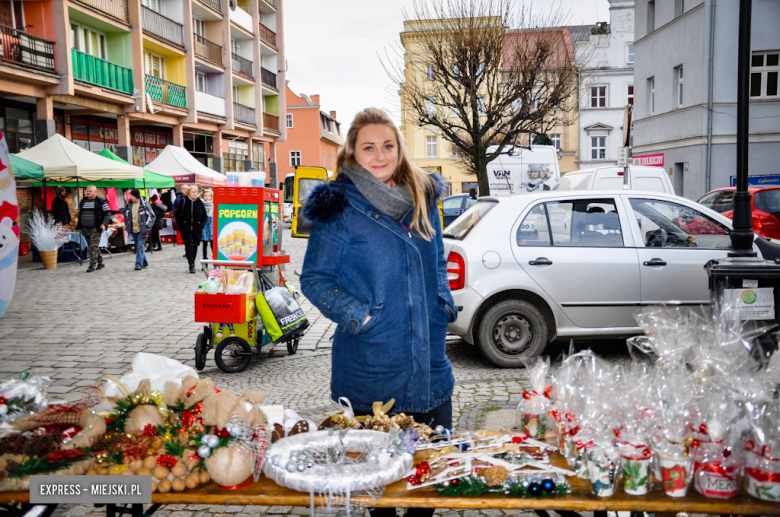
{"x":267,"y":493}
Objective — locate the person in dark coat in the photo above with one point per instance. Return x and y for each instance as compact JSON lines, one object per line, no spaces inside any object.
{"x":191,"y":217}
{"x":60,"y":210}
{"x":159,"y":210}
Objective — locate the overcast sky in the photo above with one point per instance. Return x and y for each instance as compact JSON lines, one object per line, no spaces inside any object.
{"x":333,"y":48}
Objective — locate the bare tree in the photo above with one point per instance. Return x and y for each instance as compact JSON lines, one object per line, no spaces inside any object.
{"x":482,"y":73}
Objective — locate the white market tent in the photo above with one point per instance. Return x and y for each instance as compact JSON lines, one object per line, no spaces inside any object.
{"x":178,"y":163}
{"x":62,"y":160}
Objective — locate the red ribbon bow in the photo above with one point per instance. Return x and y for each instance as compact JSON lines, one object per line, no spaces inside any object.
{"x":764,"y":452}
{"x":546,"y":393}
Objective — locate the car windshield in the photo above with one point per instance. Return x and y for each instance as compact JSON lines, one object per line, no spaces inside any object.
{"x":767,"y":201}
{"x":461,"y":226}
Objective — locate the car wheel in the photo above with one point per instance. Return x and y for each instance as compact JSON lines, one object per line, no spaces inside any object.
{"x":510,"y":332}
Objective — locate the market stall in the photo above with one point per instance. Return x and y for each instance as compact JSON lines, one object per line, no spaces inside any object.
{"x":179,"y":164}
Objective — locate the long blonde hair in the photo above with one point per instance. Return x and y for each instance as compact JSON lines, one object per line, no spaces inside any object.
{"x":408,"y":175}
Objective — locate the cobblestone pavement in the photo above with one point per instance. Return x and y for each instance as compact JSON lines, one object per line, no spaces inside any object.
{"x":75,"y":327}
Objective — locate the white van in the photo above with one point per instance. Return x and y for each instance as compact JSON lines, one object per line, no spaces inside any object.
{"x":521,"y":170}
{"x":640,"y":177}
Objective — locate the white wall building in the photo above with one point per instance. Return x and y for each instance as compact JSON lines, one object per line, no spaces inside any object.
{"x":606,"y":82}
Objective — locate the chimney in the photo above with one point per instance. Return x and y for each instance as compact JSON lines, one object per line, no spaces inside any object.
{"x":333,"y":114}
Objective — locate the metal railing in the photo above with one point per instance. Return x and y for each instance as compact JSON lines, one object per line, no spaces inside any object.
{"x":270,"y":122}
{"x":242,"y":66}
{"x":208,"y":49}
{"x":244,"y":114}
{"x":268,"y":35}
{"x":167,"y":92}
{"x":214,"y":4}
{"x":272,"y":3}
{"x":26,"y":50}
{"x":91,"y":69}
{"x":115,"y":8}
{"x":162,"y":26}
{"x":268,"y":78}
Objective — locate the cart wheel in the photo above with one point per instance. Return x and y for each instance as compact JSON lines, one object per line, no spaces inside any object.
{"x":227,"y":355}
{"x":292,"y":346}
{"x":201,"y":349}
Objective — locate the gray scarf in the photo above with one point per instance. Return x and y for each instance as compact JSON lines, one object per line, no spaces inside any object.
{"x":393,"y":201}
{"x":209,"y":207}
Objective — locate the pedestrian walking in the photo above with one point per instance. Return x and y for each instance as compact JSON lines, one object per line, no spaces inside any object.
{"x":60,"y":210}
{"x":139,"y":219}
{"x":183,"y":191}
{"x":191,"y":217}
{"x":159,"y":209}
{"x":208,"y":230}
{"x":375,"y":265}
{"x":94,"y":217}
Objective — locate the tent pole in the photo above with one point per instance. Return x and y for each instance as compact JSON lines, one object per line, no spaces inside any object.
{"x":151,"y":248}
{"x":45,"y":202}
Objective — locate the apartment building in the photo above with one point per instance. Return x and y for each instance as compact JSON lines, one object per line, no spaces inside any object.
{"x":314,"y":136}
{"x":137,"y":75}
{"x":685,"y":107}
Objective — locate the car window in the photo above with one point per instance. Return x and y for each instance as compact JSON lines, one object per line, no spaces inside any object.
{"x":452,"y":203}
{"x":664,"y":224}
{"x":470,"y":201}
{"x":585,"y":223}
{"x":724,"y":201}
{"x":468,"y":220}
{"x":534,"y":230}
{"x":767,"y":201}
{"x":709,"y":199}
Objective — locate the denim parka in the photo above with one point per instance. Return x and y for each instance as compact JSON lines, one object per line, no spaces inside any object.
{"x":361,"y":262}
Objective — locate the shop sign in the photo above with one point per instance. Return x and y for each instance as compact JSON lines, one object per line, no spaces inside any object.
{"x":162,"y":139}
{"x":649,"y":159}
{"x":235,"y":147}
{"x":78,"y":129}
{"x":237,"y":232}
{"x":760,"y":181}
{"x":150,"y":138}
{"x":110,"y":134}
{"x":138,"y":137}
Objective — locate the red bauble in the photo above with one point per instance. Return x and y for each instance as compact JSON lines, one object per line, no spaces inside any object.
{"x":454,"y":482}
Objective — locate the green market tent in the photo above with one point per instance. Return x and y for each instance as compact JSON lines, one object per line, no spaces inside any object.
{"x":25,"y":170}
{"x":150,"y":179}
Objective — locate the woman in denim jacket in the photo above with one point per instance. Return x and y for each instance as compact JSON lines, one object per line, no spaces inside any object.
{"x":375,"y":265}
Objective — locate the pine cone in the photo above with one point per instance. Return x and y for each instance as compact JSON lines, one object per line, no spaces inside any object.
{"x":495,"y":476}
{"x":402,"y":421}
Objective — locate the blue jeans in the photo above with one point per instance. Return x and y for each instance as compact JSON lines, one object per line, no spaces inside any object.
{"x":140,"y":255}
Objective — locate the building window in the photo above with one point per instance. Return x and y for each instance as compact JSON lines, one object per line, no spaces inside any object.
{"x":155,"y":65}
{"x":455,"y":151}
{"x":201,"y":85}
{"x":679,"y":7}
{"x":650,"y":16}
{"x":88,"y":41}
{"x":651,"y":95}
{"x":324,"y":163}
{"x":630,"y":59}
{"x":199,"y":28}
{"x":481,"y":106}
{"x":289,"y":121}
{"x":431,"y":147}
{"x":679,"y":94}
{"x":237,"y":95}
{"x":430,"y":108}
{"x":598,"y":147}
{"x":556,"y":140}
{"x":429,"y":72}
{"x":454,"y":111}
{"x":630,"y":99}
{"x":258,"y":156}
{"x":331,"y":160}
{"x":764,"y":71}
{"x":295,"y":158}
{"x":154,"y":5}
{"x":598,"y":97}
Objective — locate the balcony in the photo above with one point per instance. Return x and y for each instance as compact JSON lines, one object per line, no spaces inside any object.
{"x":270,"y":122}
{"x":272,"y":3}
{"x":210,"y":104}
{"x":242,"y":19}
{"x":26,"y":50}
{"x":166,"y":92}
{"x":115,"y":8}
{"x":244,"y":114}
{"x":163,"y":27}
{"x":243,"y":67}
{"x":208,"y":50}
{"x":100,"y":72}
{"x":267,"y":35}
{"x":214,"y":4}
{"x":268,"y":78}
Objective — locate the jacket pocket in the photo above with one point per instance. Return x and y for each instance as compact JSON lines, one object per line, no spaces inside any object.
{"x":358,"y":328}
{"x":449,"y":309}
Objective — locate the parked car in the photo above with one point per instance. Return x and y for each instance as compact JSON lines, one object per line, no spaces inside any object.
{"x":523,"y":169}
{"x":453,"y":206}
{"x":640,"y":177}
{"x":764,"y":202}
{"x":525,"y":270}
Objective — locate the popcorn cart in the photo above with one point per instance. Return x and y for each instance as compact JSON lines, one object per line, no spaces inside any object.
{"x":247,"y":256}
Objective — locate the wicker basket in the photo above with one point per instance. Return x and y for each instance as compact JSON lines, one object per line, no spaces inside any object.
{"x":49,"y":259}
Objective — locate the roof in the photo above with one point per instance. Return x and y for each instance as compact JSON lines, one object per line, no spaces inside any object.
{"x":334,"y":134}
{"x":515,"y":40}
{"x":580,"y":32}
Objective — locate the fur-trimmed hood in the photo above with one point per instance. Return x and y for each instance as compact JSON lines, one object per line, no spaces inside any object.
{"x":327,"y":202}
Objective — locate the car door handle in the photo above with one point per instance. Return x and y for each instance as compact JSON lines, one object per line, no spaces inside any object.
{"x":654,"y":262}
{"x":541,"y":261}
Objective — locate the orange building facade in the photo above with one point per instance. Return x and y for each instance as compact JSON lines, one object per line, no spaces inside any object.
{"x":314,"y":137}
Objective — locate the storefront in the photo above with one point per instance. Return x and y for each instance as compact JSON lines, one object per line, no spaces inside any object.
{"x":94,"y":133}
{"x":234,"y":154}
{"x":201,"y":146}
{"x":17,"y":123}
{"x":148,"y":142}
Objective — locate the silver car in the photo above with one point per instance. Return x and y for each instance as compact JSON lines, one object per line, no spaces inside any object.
{"x":527,"y":269}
